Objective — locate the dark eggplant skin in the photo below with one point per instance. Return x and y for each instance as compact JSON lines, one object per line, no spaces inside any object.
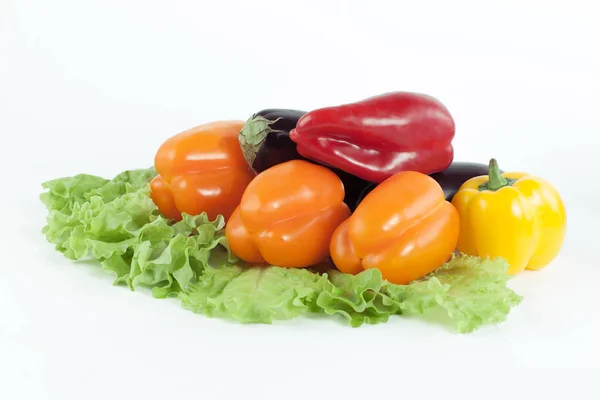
{"x":353,"y":187}
{"x":458,"y":173}
{"x":451,"y":179}
{"x":265,"y":141}
{"x":277,"y":147}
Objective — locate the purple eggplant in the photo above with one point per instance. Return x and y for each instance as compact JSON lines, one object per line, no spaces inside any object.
{"x":451,"y":179}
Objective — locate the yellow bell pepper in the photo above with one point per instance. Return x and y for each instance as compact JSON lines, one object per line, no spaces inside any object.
{"x":512,"y":215}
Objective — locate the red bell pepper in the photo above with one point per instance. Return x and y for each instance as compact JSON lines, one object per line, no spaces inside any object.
{"x":379,"y":136}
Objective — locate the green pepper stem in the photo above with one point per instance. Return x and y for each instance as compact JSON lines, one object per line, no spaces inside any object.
{"x":496,"y":180}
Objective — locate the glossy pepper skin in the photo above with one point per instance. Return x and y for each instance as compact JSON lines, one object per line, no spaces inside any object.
{"x":287,"y":215}
{"x":265,"y":142}
{"x":201,"y":169}
{"x":512,"y":215}
{"x":450,"y":179}
{"x":404,"y":227}
{"x":379,"y":136}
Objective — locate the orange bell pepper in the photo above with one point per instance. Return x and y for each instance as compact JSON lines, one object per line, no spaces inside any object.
{"x":287,"y":215}
{"x":404,"y":227}
{"x":201,"y":169}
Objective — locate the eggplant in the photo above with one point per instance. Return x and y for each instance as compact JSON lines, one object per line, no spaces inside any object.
{"x":265,"y":142}
{"x":451,"y":179}
{"x":265,"y":138}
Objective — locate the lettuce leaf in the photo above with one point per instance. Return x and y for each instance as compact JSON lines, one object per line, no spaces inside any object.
{"x":358,"y":298}
{"x":466,"y":292}
{"x":253,"y":294}
{"x":115,"y":222}
{"x":471,"y":292}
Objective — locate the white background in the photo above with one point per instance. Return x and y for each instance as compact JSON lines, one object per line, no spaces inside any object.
{"x":96,"y":86}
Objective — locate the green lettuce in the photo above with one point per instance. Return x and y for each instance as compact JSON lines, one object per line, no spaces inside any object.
{"x":467,"y":292}
{"x":358,"y":298}
{"x":253,"y":294}
{"x":470,"y":291}
{"x":116,"y":223}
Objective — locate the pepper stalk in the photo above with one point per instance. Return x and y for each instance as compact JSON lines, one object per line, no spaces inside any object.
{"x":495,"y":179}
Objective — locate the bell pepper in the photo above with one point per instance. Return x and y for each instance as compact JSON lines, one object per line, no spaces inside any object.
{"x":512,"y":215}
{"x":287,"y":215}
{"x":404,"y":227}
{"x":379,"y":136}
{"x":265,"y":141}
{"x":201,"y":170}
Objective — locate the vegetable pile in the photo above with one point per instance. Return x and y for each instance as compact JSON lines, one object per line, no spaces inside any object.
{"x":357,"y":211}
